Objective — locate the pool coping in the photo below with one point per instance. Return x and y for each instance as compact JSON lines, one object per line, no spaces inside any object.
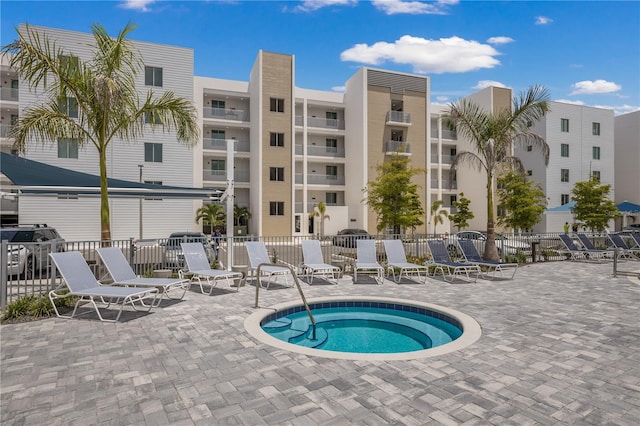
{"x":471,"y":331}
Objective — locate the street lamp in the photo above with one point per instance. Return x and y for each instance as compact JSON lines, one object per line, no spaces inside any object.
{"x":140,"y":201}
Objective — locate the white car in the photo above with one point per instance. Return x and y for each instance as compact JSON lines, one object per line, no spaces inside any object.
{"x":505,"y":245}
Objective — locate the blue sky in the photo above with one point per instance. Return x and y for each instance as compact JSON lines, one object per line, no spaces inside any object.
{"x":584,"y":52}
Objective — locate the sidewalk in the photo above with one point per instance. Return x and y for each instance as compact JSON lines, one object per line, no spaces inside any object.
{"x":560,"y":345}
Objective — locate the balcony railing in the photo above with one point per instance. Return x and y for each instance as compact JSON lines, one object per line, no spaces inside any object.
{"x":310,"y":206}
{"x":445,"y":184}
{"x":398,"y":147}
{"x":446,"y":134}
{"x":446,"y":159}
{"x":4,"y":130}
{"x":321,"y":151}
{"x":398,"y":117}
{"x":226,"y":114}
{"x":316,"y":179}
{"x":9,"y":94}
{"x":322,"y":123}
{"x":221,"y":175}
{"x":221,"y":144}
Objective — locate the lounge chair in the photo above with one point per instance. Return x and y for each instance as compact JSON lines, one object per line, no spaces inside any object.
{"x":626,"y":251}
{"x":442,"y":261}
{"x":588,"y":245}
{"x":200,"y":270}
{"x":122,"y":274}
{"x":580,"y":254}
{"x":79,"y":280}
{"x":636,"y":238}
{"x":397,"y":259}
{"x":258,"y":256}
{"x":313,"y":263}
{"x":366,"y":260}
{"x":471,"y":255}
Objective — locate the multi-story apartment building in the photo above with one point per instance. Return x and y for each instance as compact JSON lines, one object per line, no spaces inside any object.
{"x":627,"y":157}
{"x":581,"y":142}
{"x":9,"y":96}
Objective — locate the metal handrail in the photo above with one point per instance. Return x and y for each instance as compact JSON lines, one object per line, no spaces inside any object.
{"x":295,"y":280}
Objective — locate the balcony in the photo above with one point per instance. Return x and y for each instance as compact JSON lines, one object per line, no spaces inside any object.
{"x":445,"y":184}
{"x":316,"y":179}
{"x":221,"y":175}
{"x":321,"y":151}
{"x":446,"y":159}
{"x":446,"y":134}
{"x":321,"y":123}
{"x":225,"y":114}
{"x":397,"y":147}
{"x":398,"y":118}
{"x":221,"y":145}
{"x":310,"y":206}
{"x":4,"y":130}
{"x":9,"y":94}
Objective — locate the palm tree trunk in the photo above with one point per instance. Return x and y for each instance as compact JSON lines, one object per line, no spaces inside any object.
{"x":105,"y":224}
{"x":490,"y":249}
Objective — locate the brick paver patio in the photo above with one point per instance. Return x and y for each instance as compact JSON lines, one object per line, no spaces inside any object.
{"x":560,"y":345}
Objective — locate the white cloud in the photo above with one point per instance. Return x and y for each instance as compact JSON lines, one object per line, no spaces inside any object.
{"x":452,"y":54}
{"x":483,"y":84}
{"x":395,"y":7}
{"x":140,"y":5}
{"x":442,"y":98}
{"x":311,"y":5}
{"x":543,"y":20}
{"x":589,"y":87}
{"x":339,"y":89}
{"x":500,"y":40}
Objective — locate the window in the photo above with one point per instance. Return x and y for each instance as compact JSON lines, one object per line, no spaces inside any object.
{"x":564,"y":149}
{"x":564,"y":199}
{"x":153,"y":76}
{"x":595,"y":152}
{"x":218,"y":134}
{"x":14,"y":119}
{"x":564,"y":125}
{"x":529,"y":172}
{"x":276,"y":139}
{"x":153,"y":182}
{"x":152,"y":118}
{"x":396,"y":135}
{"x":564,"y":175}
{"x":331,"y":198}
{"x":332,"y":119}
{"x":276,"y":208}
{"x":276,"y":105}
{"x":69,"y":106}
{"x":69,"y":61}
{"x":529,"y":148}
{"x":501,"y":211}
{"x":218,"y":104}
{"x":332,"y":172}
{"x":595,"y":175}
{"x":453,"y":199}
{"x":67,"y":148}
{"x":332,"y":145}
{"x":276,"y":174}
{"x":595,"y":129}
{"x":152,"y":152}
{"x":218,"y":166}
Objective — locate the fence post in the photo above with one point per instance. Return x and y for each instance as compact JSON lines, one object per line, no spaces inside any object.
{"x":4,"y":261}
{"x":616,"y":252}
{"x":54,"y":272}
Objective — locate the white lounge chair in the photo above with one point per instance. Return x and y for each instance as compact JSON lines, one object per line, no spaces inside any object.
{"x":122,"y":274}
{"x":471,"y":254}
{"x":200,"y":270}
{"x":442,"y":261}
{"x":367,"y":261}
{"x":258,"y":256}
{"x":79,"y":280}
{"x":397,"y":259}
{"x":313,"y":263}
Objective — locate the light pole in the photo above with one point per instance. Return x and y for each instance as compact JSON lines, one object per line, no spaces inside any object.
{"x":140,"y":201}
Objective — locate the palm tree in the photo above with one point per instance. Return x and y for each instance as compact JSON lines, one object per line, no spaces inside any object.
{"x":437,"y":216}
{"x":104,"y":91}
{"x":240,"y":215}
{"x":494,"y":136}
{"x":320,"y":211}
{"x":213,"y":214}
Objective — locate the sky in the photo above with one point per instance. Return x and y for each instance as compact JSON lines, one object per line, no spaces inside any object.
{"x":583,"y":52}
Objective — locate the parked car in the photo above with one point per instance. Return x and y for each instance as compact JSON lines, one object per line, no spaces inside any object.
{"x":173,"y":257}
{"x":505,"y":245}
{"x":634,"y":227}
{"x":29,"y":248}
{"x":348,"y":237}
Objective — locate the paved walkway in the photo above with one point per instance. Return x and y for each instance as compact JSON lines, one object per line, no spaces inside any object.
{"x":560,"y":345}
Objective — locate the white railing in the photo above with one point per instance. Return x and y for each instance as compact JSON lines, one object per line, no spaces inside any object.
{"x":323,"y":123}
{"x":317,"y":179}
{"x":221,"y":144}
{"x":9,"y":94}
{"x":398,"y":117}
{"x":398,"y":146}
{"x":225,"y":114}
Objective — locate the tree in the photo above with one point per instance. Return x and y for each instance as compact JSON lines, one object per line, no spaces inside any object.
{"x":320,"y":211}
{"x":493,"y":135}
{"x":394,"y":197}
{"x":103,"y":91}
{"x":462,"y":215}
{"x":437,"y":216}
{"x":212,"y":214}
{"x":592,"y":207}
{"x":241,"y":215}
{"x":523,"y":199}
